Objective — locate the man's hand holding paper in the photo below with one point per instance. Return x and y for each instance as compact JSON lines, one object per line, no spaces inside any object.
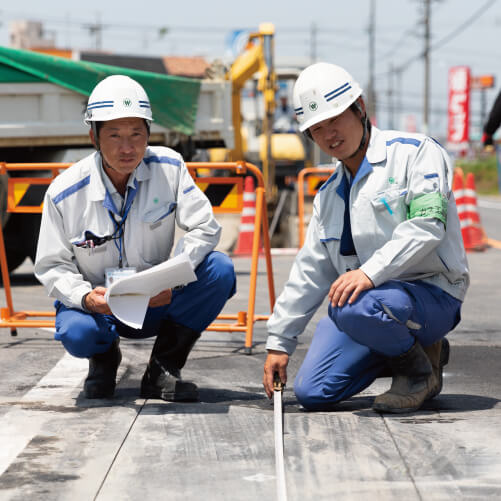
{"x":161,"y":299}
{"x":129,"y":297}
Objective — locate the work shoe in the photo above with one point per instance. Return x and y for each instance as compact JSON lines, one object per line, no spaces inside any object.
{"x":101,"y":379}
{"x":413,"y":382}
{"x":162,"y":378}
{"x":438,"y":354}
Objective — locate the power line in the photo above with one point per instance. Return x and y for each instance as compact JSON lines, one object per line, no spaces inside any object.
{"x":398,"y":44}
{"x":444,"y":40}
{"x":466,"y":23}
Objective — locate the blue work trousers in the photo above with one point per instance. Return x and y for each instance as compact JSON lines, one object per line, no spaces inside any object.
{"x":351,"y":345}
{"x":195,"y":306}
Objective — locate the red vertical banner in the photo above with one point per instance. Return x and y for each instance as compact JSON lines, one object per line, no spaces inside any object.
{"x":459,"y":107}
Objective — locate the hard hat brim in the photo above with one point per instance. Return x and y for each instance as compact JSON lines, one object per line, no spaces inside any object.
{"x":333,"y":112}
{"x":113,"y":116}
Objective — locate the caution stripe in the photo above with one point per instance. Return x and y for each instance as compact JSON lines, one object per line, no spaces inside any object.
{"x":25,"y":195}
{"x":224,"y":193}
{"x":314,"y":183}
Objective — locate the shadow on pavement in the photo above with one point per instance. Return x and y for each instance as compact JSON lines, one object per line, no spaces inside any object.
{"x":443,"y":405}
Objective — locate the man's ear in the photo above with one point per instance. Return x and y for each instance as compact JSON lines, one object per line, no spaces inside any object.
{"x":361,"y":102}
{"x":92,"y":138}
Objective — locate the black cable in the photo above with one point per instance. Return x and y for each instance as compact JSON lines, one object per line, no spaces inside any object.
{"x":444,"y":40}
{"x":469,"y":21}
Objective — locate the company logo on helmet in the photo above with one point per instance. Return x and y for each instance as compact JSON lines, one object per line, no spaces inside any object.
{"x":313,"y":106}
{"x":127,"y":102}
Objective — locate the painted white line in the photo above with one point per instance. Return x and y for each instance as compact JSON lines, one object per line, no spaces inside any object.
{"x":20,"y":425}
{"x":489,"y":205}
{"x":284,"y":251}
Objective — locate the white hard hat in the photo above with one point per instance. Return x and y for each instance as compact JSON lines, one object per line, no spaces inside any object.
{"x":322,"y":91}
{"x":117,"y":96}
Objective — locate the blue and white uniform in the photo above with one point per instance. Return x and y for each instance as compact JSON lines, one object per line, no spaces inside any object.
{"x":82,"y":204}
{"x":397,"y":221}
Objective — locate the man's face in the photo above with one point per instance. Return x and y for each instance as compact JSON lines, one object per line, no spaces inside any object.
{"x":123,"y":142}
{"x":339,"y":136}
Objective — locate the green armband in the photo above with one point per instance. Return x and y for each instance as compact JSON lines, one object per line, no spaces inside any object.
{"x":429,"y":205}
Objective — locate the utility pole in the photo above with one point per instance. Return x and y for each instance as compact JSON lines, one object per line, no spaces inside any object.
{"x":398,"y":98}
{"x":391,"y":107}
{"x":96,"y":30}
{"x":313,"y":42}
{"x":313,"y":151}
{"x":371,"y":95}
{"x":426,"y":55}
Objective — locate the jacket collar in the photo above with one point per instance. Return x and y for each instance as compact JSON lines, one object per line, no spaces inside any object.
{"x":376,"y":152}
{"x":97,"y":187}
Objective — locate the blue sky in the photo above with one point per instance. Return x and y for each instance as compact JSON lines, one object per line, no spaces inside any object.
{"x":198,"y":27}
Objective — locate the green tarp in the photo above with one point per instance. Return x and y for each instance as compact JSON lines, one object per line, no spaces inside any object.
{"x":174,"y":100}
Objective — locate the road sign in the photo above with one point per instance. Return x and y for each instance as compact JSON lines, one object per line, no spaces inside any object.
{"x":482,"y":82}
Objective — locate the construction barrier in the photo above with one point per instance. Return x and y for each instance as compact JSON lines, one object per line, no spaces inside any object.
{"x":319,"y":175}
{"x":474,"y":237}
{"x":26,"y":195}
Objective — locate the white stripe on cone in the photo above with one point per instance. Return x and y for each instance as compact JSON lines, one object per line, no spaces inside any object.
{"x":249,"y":197}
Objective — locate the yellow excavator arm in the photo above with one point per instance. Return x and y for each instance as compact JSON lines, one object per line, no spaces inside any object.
{"x":257,"y":58}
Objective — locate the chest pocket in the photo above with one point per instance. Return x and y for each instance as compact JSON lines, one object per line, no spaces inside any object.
{"x":391,"y":204}
{"x":92,"y":261}
{"x":330,"y":235}
{"x":155,"y":217}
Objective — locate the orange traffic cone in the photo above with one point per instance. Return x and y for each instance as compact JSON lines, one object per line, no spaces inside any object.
{"x":247,"y":222}
{"x":477,"y":239}
{"x":474,"y":237}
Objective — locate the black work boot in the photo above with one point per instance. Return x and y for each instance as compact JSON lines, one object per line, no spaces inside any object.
{"x":101,"y":380}
{"x":438,"y":354}
{"x":162,"y":378}
{"x":413,"y":382}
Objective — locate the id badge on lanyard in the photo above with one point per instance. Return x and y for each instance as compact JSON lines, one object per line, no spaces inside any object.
{"x":114,"y":274}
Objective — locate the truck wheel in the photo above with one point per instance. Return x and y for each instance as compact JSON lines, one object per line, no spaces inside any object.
{"x":21,"y":237}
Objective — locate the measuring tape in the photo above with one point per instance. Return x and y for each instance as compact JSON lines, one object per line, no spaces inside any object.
{"x":278,"y":419}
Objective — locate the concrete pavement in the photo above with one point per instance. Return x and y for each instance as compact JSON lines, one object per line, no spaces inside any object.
{"x":56,"y":445}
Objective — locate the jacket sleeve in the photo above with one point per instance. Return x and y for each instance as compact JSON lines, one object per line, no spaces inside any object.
{"x":194,"y":215}
{"x":428,"y":195}
{"x":309,"y":282}
{"x":55,"y":264}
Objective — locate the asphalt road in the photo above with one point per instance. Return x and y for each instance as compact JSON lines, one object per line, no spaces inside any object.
{"x":56,"y":445}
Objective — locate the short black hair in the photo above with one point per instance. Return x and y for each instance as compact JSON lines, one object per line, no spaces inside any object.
{"x":100,"y":124}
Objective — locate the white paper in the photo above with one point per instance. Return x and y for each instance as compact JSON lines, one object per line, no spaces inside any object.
{"x":128,"y":297}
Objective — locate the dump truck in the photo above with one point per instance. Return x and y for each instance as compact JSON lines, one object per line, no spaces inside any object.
{"x":43,"y":99}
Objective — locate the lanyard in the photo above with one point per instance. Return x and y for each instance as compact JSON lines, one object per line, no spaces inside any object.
{"x":118,"y":234}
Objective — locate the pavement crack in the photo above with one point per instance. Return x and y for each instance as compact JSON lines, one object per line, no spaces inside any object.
{"x":118,"y":451}
{"x":402,"y":457}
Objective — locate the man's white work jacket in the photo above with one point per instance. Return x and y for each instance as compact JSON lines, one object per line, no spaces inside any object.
{"x":399,"y":200}
{"x":77,"y":202}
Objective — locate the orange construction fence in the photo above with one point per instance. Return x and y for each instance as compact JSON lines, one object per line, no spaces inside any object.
{"x":228,"y":196}
{"x":319,"y":175}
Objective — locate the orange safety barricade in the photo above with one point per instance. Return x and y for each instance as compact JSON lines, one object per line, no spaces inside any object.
{"x":245,"y":319}
{"x":308,"y":171}
{"x":227,"y":196}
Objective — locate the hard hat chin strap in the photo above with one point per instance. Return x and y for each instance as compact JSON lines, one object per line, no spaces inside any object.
{"x":366,"y":124}
{"x":95,"y":132}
